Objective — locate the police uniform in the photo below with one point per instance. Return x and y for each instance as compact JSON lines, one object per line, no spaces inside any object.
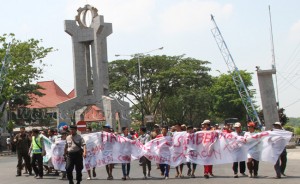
{"x":74,"y":151}
{"x":37,"y":154}
{"x":22,"y":143}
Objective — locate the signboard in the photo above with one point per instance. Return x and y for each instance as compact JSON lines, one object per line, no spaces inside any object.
{"x":61,"y":124}
{"x":81,"y":126}
{"x":149,"y":118}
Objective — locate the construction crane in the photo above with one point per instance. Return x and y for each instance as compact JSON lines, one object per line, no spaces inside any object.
{"x":3,"y":72}
{"x":235,"y":73}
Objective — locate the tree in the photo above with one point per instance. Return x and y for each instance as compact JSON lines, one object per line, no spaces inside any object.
{"x":25,"y":68}
{"x":162,"y":76}
{"x":226,"y":101}
{"x":283,"y":119}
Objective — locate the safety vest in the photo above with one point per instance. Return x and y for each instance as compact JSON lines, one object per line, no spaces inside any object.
{"x":36,"y":145}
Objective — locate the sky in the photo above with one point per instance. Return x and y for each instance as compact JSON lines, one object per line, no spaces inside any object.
{"x":180,"y":26}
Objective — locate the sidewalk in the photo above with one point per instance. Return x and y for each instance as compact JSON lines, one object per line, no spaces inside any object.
{"x":5,"y":153}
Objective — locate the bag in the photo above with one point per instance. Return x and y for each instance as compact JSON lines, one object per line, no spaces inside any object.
{"x":81,"y":150}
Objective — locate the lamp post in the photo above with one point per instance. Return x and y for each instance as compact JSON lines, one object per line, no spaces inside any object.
{"x":138,"y":56}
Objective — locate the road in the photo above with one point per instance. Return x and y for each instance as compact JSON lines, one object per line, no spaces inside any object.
{"x":223,"y":174}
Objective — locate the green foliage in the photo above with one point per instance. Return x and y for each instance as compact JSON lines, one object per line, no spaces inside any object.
{"x":25,"y":68}
{"x":282,"y":116}
{"x":10,"y":126}
{"x":226,"y":101}
{"x":289,"y":128}
{"x":295,"y":122}
{"x":297,"y":130}
{"x":162,"y":77}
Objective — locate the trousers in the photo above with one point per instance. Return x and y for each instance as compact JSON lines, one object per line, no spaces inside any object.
{"x":74,"y":159}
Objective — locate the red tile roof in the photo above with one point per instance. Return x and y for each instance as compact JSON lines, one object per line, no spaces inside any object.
{"x":93,"y":113}
{"x":72,"y":94}
{"x":53,"y":95}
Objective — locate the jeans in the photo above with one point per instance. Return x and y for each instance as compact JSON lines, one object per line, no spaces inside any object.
{"x":164,"y":168}
{"x":124,"y":170}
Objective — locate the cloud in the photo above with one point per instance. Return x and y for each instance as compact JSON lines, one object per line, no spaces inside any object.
{"x":294,"y":31}
{"x":192,"y":15}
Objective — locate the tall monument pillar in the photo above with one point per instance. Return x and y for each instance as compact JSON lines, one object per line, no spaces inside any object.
{"x":268,"y":98}
{"x":90,"y":65}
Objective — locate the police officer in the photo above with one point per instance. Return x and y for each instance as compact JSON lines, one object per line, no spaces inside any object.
{"x":75,"y":149}
{"x":38,"y":151}
{"x":22,"y":142}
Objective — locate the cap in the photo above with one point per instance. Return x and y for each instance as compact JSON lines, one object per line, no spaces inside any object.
{"x":190,"y":127}
{"x":73,"y":127}
{"x":156,"y":125}
{"x":277,"y":123}
{"x":206,"y":122}
{"x":106,"y":125}
{"x":251,"y":124}
{"x":237,"y":124}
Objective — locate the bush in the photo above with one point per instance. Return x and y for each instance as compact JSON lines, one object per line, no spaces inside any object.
{"x":289,"y":128}
{"x":297,"y":130}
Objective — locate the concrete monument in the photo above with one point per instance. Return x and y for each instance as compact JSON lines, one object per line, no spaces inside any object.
{"x":90,"y":67}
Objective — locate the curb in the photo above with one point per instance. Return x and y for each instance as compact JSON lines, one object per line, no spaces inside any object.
{"x":6,"y":154}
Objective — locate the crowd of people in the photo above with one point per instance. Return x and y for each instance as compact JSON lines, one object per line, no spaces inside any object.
{"x":30,"y":152}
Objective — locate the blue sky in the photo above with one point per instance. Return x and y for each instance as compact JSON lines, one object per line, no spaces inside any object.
{"x":180,"y":26}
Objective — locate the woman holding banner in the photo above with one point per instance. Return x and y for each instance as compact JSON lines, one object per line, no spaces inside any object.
{"x":207,"y":168}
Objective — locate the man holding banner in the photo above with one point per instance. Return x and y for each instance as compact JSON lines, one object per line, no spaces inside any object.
{"x":238,"y":132}
{"x":281,"y":162}
{"x":144,"y":138}
{"x":253,"y":152}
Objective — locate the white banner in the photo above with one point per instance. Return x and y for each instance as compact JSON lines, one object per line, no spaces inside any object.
{"x":203,"y":147}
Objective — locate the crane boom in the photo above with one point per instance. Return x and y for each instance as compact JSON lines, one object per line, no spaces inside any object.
{"x":235,"y":73}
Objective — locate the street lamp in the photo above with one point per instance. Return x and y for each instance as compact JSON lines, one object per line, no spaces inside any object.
{"x":138,"y":56}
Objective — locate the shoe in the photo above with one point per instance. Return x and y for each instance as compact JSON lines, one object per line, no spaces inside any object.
{"x":124,"y":178}
{"x":193,"y":176}
{"x":18,"y":175}
{"x":145,"y":177}
{"x":166,"y":177}
{"x":88,"y":178}
{"x":277,"y":177}
{"x":127,"y":178}
{"x":206,"y":176}
{"x":176,"y":176}
{"x":39,"y":177}
{"x":250,"y":175}
{"x":30,"y":174}
{"x":189,"y":172}
{"x":211,"y":174}
{"x":235,"y":176}
{"x":25,"y":172}
{"x":283,"y":174}
{"x":63,"y":178}
{"x":255,"y":176}
{"x":149,"y":174}
{"x":243,"y":174}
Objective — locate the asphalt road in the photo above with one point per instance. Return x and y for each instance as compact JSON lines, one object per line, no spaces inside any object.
{"x":223,"y":174}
